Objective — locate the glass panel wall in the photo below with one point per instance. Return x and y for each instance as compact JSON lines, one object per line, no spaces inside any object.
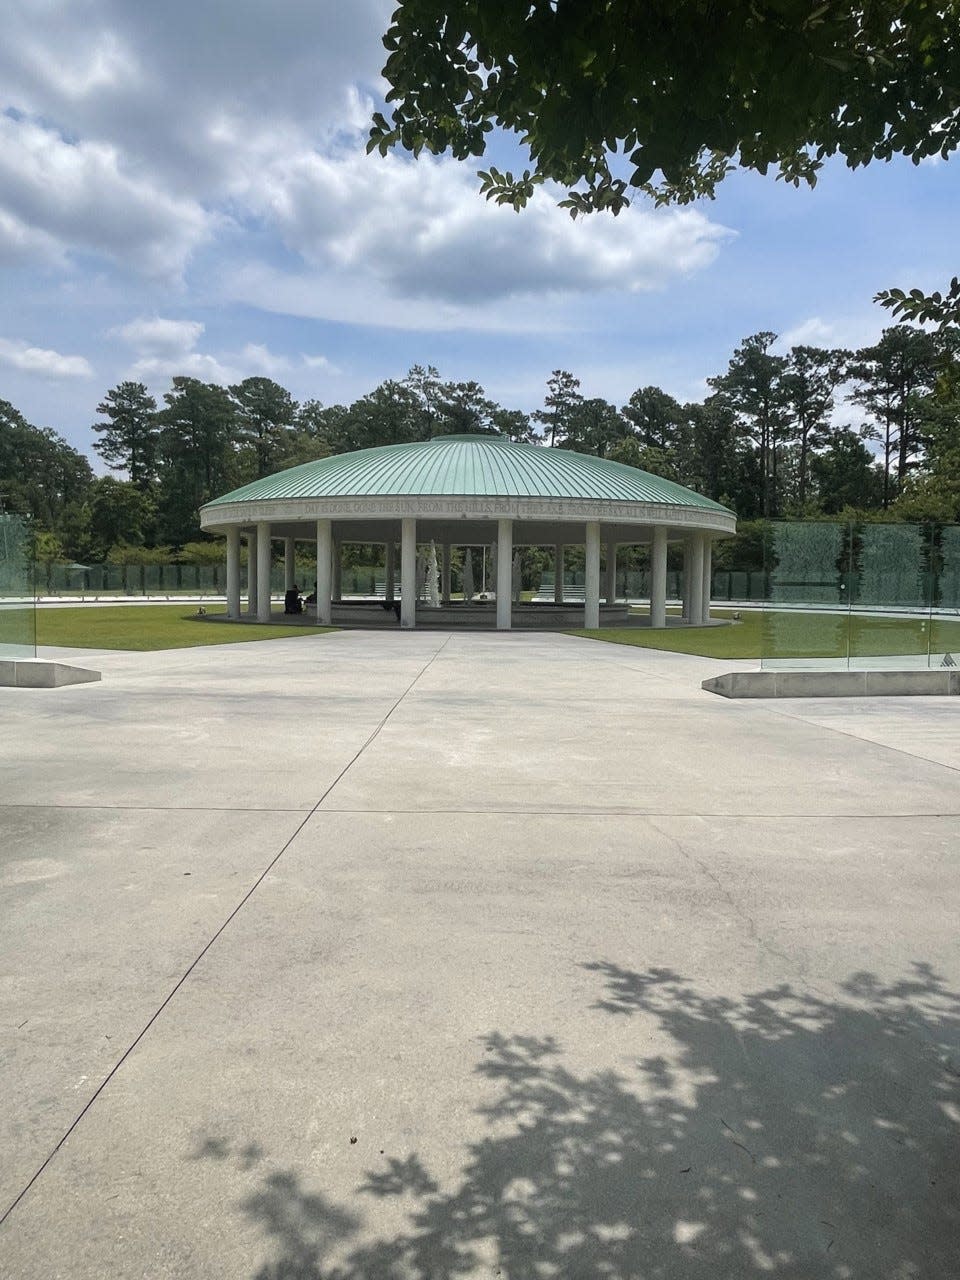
{"x":861,"y":595}
{"x":18,"y":604}
{"x":79,"y":581}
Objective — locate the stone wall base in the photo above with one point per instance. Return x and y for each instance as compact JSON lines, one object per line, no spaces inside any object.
{"x":835,"y":684}
{"x":34,"y":673}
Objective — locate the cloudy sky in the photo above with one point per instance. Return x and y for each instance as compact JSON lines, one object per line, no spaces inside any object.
{"x":184,"y":189}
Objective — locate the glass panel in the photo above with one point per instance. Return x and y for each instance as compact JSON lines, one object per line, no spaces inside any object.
{"x":949,"y":584}
{"x":18,"y":605}
{"x":891,"y":566}
{"x":890,"y":623}
{"x":804,"y":616}
{"x":739,"y":585}
{"x":945,"y":619}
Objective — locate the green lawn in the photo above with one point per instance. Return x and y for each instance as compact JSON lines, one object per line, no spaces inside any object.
{"x":758,"y":634}
{"x":151,"y":626}
{"x":794,"y":635}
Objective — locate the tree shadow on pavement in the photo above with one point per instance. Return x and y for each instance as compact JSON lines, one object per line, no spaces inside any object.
{"x":781,"y":1134}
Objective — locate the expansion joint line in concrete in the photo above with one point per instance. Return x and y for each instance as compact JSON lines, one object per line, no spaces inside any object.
{"x":777,"y":815}
{"x":854,"y":737}
{"x":154,"y":808}
{"x":209,"y":943}
{"x":530,"y":811}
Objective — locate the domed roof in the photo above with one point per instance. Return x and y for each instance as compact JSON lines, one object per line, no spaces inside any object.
{"x":469,"y":466}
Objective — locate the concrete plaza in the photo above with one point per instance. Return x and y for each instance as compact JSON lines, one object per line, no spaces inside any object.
{"x":413,"y":955}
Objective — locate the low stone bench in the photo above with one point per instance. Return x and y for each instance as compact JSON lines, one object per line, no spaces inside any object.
{"x":935,"y":682}
{"x":34,"y":673}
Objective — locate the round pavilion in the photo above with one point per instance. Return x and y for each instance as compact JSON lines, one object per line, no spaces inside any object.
{"x":469,"y":491}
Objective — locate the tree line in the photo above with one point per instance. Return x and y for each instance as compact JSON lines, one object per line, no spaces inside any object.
{"x":813,"y":432}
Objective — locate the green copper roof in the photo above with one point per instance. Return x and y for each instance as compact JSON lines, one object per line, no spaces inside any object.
{"x":468,"y":466}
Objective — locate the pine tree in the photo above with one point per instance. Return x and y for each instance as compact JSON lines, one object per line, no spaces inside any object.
{"x":129,"y":437}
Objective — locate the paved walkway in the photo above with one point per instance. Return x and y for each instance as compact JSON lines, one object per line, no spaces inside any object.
{"x":378,"y":956}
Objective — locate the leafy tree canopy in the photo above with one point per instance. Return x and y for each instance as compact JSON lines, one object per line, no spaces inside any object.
{"x":39,"y":471}
{"x":671,"y":93}
{"x":942,"y":307}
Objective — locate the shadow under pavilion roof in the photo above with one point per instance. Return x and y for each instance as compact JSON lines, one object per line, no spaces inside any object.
{"x":478,"y":465}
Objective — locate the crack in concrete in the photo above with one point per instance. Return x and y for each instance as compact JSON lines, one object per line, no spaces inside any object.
{"x":739,"y":910}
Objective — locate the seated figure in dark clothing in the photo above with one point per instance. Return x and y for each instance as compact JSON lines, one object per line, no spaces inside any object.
{"x":291,"y":600}
{"x":312,"y":597}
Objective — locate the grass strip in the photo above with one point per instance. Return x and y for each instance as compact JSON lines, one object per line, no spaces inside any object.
{"x":152,"y":626}
{"x":784,"y":634}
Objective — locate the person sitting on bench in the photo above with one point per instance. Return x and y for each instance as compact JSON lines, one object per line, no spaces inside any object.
{"x":291,"y":600}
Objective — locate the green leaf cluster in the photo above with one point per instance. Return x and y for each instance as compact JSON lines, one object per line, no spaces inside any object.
{"x":665,"y":96}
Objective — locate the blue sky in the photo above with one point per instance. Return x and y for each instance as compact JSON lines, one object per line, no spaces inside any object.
{"x":184,"y":189}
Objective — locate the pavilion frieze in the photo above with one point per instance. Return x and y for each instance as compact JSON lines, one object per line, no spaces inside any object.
{"x":558,"y":509}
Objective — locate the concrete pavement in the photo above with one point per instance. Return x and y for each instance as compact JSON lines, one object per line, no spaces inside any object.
{"x":420,"y":955}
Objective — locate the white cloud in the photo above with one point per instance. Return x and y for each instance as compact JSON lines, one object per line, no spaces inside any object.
{"x":260,"y":360}
{"x":329,"y":296}
{"x":154,"y":370}
{"x":78,"y":196}
{"x":167,"y":349}
{"x":154,"y":80}
{"x":844,"y":331}
{"x":419,"y":230}
{"x":19,"y":242}
{"x":411,"y":246}
{"x":158,"y":135}
{"x":51,"y":364}
{"x":811,"y":333}
{"x":158,"y":336}
{"x":94,"y":62}
{"x":320,"y":362}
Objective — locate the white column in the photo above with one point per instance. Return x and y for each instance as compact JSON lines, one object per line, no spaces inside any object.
{"x":445,"y":566}
{"x":390,"y":571}
{"x":263,"y":571}
{"x":289,"y":564}
{"x":707,"y":579}
{"x":591,"y":588}
{"x":337,"y":585}
{"x":558,"y":558}
{"x":658,"y":578}
{"x":408,"y":571}
{"x":324,"y":555}
{"x":252,"y":571}
{"x":610,"y":573}
{"x":504,"y":573}
{"x":233,"y":572}
{"x":694,"y":616}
